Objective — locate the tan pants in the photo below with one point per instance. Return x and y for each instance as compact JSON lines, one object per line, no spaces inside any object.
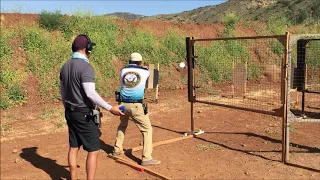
{"x":136,"y":113}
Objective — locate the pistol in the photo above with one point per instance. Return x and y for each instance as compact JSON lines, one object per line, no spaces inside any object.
{"x":117,"y":93}
{"x":145,"y":108}
{"x":97,"y":115}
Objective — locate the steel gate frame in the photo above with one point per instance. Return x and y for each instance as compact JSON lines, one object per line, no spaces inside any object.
{"x":290,"y":117}
{"x":287,"y":41}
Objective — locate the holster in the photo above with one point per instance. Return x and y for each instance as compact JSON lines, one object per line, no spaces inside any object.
{"x":96,"y":116}
{"x":117,"y":93}
{"x":145,"y":108}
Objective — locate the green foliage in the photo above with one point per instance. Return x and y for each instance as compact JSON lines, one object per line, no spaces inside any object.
{"x":4,"y":103}
{"x":38,"y":52}
{"x":278,"y":25}
{"x":276,"y":47}
{"x":15,"y":94}
{"x":46,"y":51}
{"x":313,"y":53}
{"x":5,"y":51}
{"x":254,"y":70}
{"x":316,"y":10}
{"x":11,"y":93}
{"x":230,"y":20}
{"x":44,"y":54}
{"x":296,"y":14}
{"x":215,"y":62}
{"x":67,"y":27}
{"x":137,"y":41}
{"x":175,"y":43}
{"x":12,"y":96}
{"x":50,"y":20}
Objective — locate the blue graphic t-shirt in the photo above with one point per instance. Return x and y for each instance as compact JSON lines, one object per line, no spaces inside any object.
{"x":133,"y":80}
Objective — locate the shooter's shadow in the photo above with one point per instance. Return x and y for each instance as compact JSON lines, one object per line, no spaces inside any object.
{"x":54,"y":170}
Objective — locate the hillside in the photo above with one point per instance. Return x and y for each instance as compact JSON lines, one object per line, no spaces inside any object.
{"x":125,"y":15}
{"x":29,"y":74}
{"x":296,"y":11}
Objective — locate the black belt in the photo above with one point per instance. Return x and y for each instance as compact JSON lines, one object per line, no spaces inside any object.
{"x":77,"y":109}
{"x":131,"y":100}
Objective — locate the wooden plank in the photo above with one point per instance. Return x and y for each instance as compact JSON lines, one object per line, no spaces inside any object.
{"x":150,"y":79}
{"x":137,"y":166}
{"x":160,"y":143}
{"x":123,"y":161}
{"x":239,"y":78}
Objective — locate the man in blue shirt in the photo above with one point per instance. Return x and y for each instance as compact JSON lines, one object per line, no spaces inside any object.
{"x":133,"y":80}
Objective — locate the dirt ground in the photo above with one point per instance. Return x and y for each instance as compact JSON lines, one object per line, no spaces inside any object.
{"x":236,"y":144}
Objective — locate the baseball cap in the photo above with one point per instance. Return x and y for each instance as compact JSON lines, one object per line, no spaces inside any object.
{"x":135,"y":57}
{"x":80,"y":42}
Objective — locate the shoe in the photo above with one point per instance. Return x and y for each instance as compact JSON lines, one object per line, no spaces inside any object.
{"x":116,"y":153}
{"x":150,"y":162}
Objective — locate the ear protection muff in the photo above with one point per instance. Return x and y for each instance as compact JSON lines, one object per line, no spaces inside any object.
{"x":89,"y":44}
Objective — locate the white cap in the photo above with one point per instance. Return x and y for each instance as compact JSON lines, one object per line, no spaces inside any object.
{"x":135,"y":57}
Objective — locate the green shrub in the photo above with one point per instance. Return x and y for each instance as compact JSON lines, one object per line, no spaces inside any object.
{"x":34,"y":42}
{"x":230,"y":20}
{"x":278,"y":25}
{"x":312,"y":58}
{"x":216,"y":62}
{"x":175,"y":44}
{"x":4,"y":102}
{"x":50,"y":20}
{"x":15,"y":94}
{"x":137,"y":41}
{"x":277,"y":47}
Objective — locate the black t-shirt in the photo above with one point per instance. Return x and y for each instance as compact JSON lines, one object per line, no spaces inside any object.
{"x":72,"y":74}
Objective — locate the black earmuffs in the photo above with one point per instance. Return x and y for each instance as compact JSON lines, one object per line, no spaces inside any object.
{"x":89,"y":45}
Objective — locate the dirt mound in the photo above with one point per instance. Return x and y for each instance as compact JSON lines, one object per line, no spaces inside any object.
{"x":160,"y":28}
{"x":15,"y":19}
{"x":273,"y":73}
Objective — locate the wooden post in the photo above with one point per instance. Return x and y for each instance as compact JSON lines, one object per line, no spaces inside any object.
{"x":232,"y":86}
{"x":245,"y":83}
{"x":157,"y":88}
{"x":151,"y":77}
{"x":284,"y":88}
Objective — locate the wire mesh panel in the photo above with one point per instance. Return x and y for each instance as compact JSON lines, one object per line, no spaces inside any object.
{"x":305,"y":79}
{"x":313,"y":66}
{"x":242,"y":73}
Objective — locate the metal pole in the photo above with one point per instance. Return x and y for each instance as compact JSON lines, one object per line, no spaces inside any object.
{"x":189,"y":49}
{"x":192,"y":119}
{"x":284,"y":101}
{"x":303,"y":115}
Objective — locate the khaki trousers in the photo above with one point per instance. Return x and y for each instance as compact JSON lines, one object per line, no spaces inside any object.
{"x":136,"y":113}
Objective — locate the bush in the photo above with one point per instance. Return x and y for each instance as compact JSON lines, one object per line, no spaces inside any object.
{"x":230,"y":20}
{"x":278,"y":25}
{"x":175,"y":44}
{"x":50,"y":20}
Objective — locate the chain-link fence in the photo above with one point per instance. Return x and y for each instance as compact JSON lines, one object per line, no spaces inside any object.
{"x":241,"y":73}
{"x":304,"y":60}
